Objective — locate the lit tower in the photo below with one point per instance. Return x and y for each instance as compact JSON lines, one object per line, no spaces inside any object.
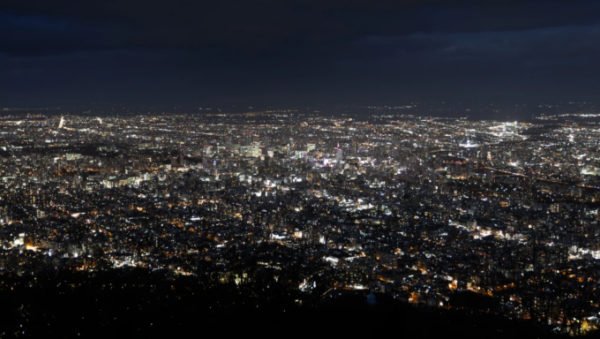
{"x":290,"y":146}
{"x":204,"y":159}
{"x":339,"y":155}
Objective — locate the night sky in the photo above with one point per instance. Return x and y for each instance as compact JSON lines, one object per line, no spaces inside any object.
{"x":253,"y":52}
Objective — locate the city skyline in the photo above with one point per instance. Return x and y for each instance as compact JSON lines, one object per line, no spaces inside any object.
{"x":436,"y":213}
{"x":425,"y":168}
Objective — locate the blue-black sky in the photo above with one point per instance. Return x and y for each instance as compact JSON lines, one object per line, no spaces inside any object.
{"x":258,"y":52}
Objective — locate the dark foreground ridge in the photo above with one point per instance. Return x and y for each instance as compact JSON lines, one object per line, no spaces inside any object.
{"x":138,"y":303}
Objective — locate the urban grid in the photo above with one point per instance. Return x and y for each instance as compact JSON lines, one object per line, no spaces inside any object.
{"x":388,"y":205}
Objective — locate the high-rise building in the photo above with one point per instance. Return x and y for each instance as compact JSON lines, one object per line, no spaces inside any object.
{"x":339,"y":155}
{"x":255,"y":150}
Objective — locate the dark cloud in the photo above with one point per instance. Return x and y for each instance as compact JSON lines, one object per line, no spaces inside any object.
{"x":295,"y":51}
{"x":267,"y":25}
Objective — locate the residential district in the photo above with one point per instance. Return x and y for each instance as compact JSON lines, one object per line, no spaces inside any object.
{"x":415,"y":208}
